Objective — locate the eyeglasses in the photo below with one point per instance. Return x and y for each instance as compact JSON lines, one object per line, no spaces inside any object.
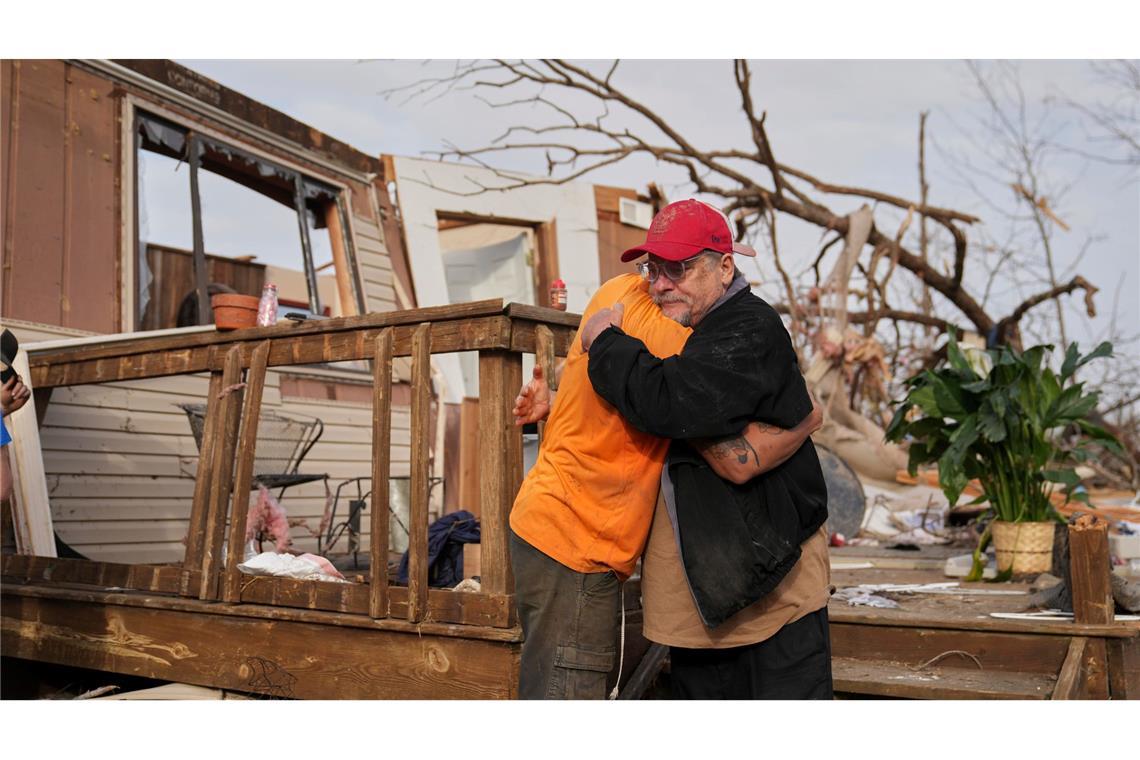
{"x":674,"y":270}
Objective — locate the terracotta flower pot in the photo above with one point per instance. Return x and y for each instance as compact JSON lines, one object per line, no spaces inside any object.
{"x":232,"y":311}
{"x":1026,"y":547}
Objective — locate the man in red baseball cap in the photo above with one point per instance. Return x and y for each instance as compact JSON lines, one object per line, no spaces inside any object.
{"x":681,"y":235}
{"x":583,"y":514}
{"x":735,"y":574}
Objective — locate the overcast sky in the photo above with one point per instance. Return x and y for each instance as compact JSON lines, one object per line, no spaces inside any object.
{"x":847,"y":122}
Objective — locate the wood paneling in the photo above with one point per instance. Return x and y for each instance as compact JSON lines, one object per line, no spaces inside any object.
{"x":614,"y":237}
{"x":60,"y":183}
{"x":91,"y":226}
{"x":173,"y":273}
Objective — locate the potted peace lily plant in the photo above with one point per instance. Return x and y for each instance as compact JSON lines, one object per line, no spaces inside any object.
{"x":1007,"y":419}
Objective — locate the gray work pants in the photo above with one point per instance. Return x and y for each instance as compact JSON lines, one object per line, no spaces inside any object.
{"x":570,"y":626}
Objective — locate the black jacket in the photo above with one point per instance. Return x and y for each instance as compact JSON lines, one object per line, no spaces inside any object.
{"x":737,"y":541}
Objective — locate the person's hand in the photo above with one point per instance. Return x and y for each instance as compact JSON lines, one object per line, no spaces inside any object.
{"x":533,"y":402}
{"x":602,"y":319}
{"x":14,"y":395}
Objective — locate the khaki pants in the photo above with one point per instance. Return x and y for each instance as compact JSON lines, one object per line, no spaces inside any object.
{"x":570,"y":626}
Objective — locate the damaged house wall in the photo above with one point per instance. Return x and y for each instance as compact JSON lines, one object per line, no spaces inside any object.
{"x":119,"y":457}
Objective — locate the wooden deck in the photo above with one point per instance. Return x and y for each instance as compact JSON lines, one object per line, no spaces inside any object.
{"x":203,"y":622}
{"x":948,"y":646}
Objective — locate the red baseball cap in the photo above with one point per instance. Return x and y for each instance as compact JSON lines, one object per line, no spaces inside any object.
{"x":683,"y":229}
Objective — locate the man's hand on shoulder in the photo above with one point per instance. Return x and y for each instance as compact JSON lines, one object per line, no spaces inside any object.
{"x":533,"y":402}
{"x":601,"y":319}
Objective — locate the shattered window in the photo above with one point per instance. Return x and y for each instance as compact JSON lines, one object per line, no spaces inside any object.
{"x":213,"y":218}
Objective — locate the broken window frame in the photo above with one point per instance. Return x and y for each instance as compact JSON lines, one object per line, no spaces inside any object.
{"x":166,"y":136}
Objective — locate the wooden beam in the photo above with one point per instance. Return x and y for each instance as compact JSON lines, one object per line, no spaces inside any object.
{"x":443,"y":605}
{"x":344,"y":289}
{"x":500,"y":463}
{"x":196,"y":529}
{"x":251,"y":414}
{"x":1090,"y":567}
{"x":229,"y":651}
{"x":1025,"y":653}
{"x":309,"y":348}
{"x":544,"y":357}
{"x":418,"y":456}
{"x":18,"y":568}
{"x":381,"y":471}
{"x":1068,"y":680}
{"x":126,"y":344}
{"x":122,"y":598}
{"x":222,"y":473}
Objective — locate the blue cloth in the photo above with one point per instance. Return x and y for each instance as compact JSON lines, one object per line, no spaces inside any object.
{"x":5,"y":439}
{"x":446,"y":537}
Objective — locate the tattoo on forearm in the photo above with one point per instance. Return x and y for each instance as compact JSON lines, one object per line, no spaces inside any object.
{"x":766,"y":429}
{"x":738,"y":447}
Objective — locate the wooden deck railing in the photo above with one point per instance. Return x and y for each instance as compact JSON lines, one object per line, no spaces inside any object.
{"x":237,"y":362}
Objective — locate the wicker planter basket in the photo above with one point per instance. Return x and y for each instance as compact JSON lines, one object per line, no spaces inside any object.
{"x":1027,"y":547}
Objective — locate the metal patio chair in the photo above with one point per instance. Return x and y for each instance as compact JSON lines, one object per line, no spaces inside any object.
{"x":282,"y":444}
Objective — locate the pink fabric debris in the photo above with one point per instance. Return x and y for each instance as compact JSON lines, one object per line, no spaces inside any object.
{"x":267,"y":519}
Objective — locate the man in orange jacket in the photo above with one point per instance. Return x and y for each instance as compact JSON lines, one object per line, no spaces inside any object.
{"x":583,"y":513}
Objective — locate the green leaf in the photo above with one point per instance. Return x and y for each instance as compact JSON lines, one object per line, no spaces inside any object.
{"x":923,"y":398}
{"x":1070,"y":364}
{"x":978,"y":386}
{"x":899,"y":426}
{"x":1104,"y":349}
{"x":990,"y":422}
{"x":951,"y":474}
{"x":1100,"y":435}
{"x":1067,"y":477}
{"x":948,"y":395}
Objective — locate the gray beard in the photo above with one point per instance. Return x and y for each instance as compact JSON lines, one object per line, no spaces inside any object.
{"x":684,"y":319}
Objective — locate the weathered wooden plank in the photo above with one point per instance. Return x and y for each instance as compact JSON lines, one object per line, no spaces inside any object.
{"x":993,"y":651}
{"x":222,"y":473}
{"x":544,"y":358}
{"x":381,"y":469}
{"x":265,"y":612}
{"x":500,"y":463}
{"x":842,"y":613}
{"x":440,"y":605}
{"x":1094,"y":670}
{"x":1068,"y":680}
{"x":1090,"y":569}
{"x":543,"y":314}
{"x":170,"y":343}
{"x":195,"y":544}
{"x":418,"y":517}
{"x":255,"y":385}
{"x":523,"y":341}
{"x":1123,"y":668}
{"x":228,"y":651}
{"x":884,"y":678}
{"x":26,"y":569}
{"x":447,"y":337}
